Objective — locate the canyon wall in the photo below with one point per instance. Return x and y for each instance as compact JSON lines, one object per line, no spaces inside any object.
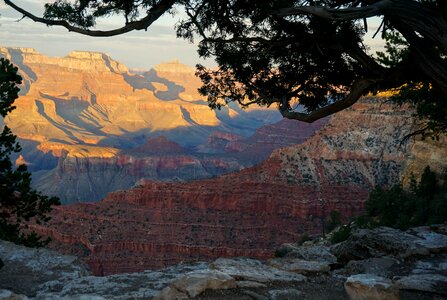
{"x":80,"y":117}
{"x":246,"y":213}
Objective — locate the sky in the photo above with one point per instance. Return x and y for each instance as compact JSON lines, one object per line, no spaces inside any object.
{"x":138,"y":49}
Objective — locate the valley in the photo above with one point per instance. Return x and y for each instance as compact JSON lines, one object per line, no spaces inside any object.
{"x":250,"y":212}
{"x":89,"y":126}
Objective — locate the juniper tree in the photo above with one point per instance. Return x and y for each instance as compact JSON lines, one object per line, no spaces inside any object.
{"x":19,"y":203}
{"x":284,"y":52}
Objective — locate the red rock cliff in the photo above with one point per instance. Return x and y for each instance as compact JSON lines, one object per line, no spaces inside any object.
{"x":246,"y":213}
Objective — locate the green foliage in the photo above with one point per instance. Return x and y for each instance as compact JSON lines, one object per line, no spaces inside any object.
{"x":9,"y":79}
{"x":333,"y":221}
{"x":307,"y":57}
{"x":19,"y":203}
{"x":428,"y":101}
{"x":430,"y":107}
{"x":342,"y":234}
{"x":396,"y":49}
{"x":84,"y":13}
{"x":424,"y":203}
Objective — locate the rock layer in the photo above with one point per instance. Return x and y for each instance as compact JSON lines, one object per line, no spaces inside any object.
{"x":248,"y":213}
{"x":79,"y":115}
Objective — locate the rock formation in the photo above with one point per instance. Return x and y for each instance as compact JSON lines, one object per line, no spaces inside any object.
{"x":79,"y":116}
{"x":247,"y":213}
{"x":385,"y":264}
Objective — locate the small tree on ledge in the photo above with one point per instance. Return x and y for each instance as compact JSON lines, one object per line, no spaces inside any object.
{"x":19,"y":203}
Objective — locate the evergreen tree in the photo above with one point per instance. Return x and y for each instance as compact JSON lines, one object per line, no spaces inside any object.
{"x":424,"y":203}
{"x":19,"y":203}
{"x":284,"y":52}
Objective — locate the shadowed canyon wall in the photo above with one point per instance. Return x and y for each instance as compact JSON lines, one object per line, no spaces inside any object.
{"x":247,"y":213}
{"x":84,"y":120}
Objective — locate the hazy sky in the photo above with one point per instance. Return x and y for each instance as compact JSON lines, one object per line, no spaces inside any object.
{"x":138,"y":49}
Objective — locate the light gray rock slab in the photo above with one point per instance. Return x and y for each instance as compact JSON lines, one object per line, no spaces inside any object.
{"x":433,"y":241}
{"x":254,"y":270}
{"x":287,"y":294}
{"x":26,"y":268}
{"x":434,"y":283}
{"x":171,"y":293}
{"x":249,"y":284}
{"x":369,"y":287}
{"x":8,"y":295}
{"x":312,"y":252}
{"x":385,"y":241}
{"x":253,"y":295}
{"x":143,"y":285}
{"x":375,"y":265}
{"x":307,"y":267}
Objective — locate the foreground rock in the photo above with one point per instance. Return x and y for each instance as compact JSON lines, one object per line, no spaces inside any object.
{"x":367,"y":286}
{"x":390,"y":264}
{"x":25,"y":269}
{"x":248,"y":213}
{"x":387,"y":263}
{"x":193,"y":284}
{"x":254,"y":270}
{"x":385,"y":241}
{"x":45,"y":274}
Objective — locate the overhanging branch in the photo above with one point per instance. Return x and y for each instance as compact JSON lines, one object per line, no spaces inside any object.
{"x":358,"y":89}
{"x":337,"y":14}
{"x":153,"y":14}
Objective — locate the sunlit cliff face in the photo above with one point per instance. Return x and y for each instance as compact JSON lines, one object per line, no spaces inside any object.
{"x":78,"y":117}
{"x":87,"y":98}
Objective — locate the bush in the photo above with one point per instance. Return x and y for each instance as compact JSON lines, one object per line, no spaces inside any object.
{"x":341,"y":234}
{"x":333,"y":221}
{"x":424,"y":203}
{"x":19,"y":203}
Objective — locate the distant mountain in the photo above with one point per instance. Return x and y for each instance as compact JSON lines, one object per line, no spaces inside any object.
{"x":89,"y":126}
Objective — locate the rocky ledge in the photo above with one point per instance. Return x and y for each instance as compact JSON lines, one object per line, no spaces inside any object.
{"x":381,"y":263}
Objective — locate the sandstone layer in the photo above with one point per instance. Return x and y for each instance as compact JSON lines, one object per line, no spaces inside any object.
{"x":248,"y":213}
{"x":79,"y":117}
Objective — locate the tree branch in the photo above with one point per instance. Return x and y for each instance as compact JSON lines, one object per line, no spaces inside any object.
{"x":421,"y":18}
{"x":358,"y":89}
{"x":337,"y":14}
{"x":153,"y":14}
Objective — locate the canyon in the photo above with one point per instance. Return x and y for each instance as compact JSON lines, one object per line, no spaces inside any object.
{"x":182,"y":183}
{"x":88,"y":125}
{"x":250,"y":212}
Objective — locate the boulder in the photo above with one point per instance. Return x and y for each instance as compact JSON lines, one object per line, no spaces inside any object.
{"x":26,"y":268}
{"x":194,"y":283}
{"x":385,"y":241}
{"x":254,"y":270}
{"x":8,"y":295}
{"x":306,"y":267}
{"x":433,"y":283}
{"x":171,"y":293}
{"x":370,"y":287}
{"x":311,"y":252}
{"x":142,"y":285}
{"x":433,"y":241}
{"x":376,"y":266}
